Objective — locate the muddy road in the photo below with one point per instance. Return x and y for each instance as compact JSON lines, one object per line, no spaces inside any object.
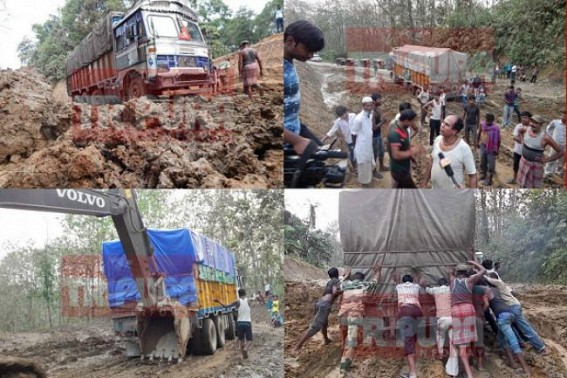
{"x":93,"y":351}
{"x":222,"y":141}
{"x":326,"y":85}
{"x":544,"y":306}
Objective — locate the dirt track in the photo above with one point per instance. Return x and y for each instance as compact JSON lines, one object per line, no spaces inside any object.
{"x":326,"y":85}
{"x":543,"y":305}
{"x":225,"y":141}
{"x":93,"y":351}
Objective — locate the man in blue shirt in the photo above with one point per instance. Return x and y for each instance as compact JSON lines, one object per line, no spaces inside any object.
{"x":301,"y":40}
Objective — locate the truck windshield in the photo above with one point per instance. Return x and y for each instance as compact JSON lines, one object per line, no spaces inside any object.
{"x":162,"y":26}
{"x":189,"y":30}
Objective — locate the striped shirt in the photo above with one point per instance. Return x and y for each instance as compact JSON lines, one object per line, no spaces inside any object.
{"x":442,"y":295}
{"x":408,"y":294}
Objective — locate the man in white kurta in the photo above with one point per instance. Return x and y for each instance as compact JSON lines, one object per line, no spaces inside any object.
{"x":363,"y":152}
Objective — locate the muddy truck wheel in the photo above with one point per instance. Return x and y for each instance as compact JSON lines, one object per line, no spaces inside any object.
{"x":20,"y":368}
{"x":220,"y":325}
{"x":135,"y":88}
{"x":231,"y":327}
{"x":204,"y":342}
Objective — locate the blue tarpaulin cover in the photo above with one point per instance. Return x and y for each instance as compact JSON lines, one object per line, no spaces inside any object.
{"x":175,"y":253}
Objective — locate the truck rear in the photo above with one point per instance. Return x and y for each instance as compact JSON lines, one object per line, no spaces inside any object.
{"x":406,"y":231}
{"x":196,"y":271}
{"x":430,"y":67}
{"x":154,"y":48}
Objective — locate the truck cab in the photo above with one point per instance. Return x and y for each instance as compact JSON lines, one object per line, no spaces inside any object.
{"x":160,"y":49}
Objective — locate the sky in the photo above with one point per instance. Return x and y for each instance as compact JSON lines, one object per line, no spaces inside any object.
{"x":20,"y":226}
{"x":297,"y":202}
{"x":18,"y":16}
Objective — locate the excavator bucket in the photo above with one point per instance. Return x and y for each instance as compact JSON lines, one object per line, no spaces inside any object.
{"x":164,"y":333}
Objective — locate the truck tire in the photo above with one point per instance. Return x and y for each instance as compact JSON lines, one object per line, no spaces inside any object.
{"x":231,"y":328}
{"x":220,"y":325}
{"x":135,"y":87}
{"x":208,"y":344}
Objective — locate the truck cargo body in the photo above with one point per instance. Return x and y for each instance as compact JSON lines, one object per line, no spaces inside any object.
{"x":428,"y":66}
{"x":156,"y":48}
{"x":197,"y":271}
{"x":401,"y":230}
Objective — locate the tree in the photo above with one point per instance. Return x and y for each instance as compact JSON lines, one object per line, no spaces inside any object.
{"x":26,"y":49}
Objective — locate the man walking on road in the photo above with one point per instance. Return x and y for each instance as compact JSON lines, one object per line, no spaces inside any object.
{"x":249,"y":68}
{"x":244,"y":321}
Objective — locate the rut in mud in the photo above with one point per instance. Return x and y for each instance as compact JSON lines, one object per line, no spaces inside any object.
{"x":223,"y":141}
{"x":325,"y":85}
{"x":93,"y":351}
{"x":544,"y":305}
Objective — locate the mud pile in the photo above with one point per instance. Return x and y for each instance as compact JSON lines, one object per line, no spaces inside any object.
{"x":544,"y":306}
{"x":92,"y":350}
{"x":225,"y":141}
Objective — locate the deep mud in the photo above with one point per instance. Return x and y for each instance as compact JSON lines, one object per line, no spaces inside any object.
{"x":93,"y":351}
{"x":544,"y":306}
{"x":324,"y":86}
{"x":223,"y":141}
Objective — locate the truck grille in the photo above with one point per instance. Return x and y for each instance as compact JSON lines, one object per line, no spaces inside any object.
{"x":171,"y":61}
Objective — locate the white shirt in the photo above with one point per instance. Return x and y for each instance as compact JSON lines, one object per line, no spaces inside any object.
{"x":515,"y":133}
{"x":462,"y":160}
{"x":244,"y":311}
{"x":279,"y":13}
{"x":345,"y":126}
{"x":556,"y":129}
{"x":408,"y":294}
{"x":267,"y":287}
{"x":423,"y":97}
{"x":442,"y":99}
{"x":436,"y":110}
{"x":362,"y":128}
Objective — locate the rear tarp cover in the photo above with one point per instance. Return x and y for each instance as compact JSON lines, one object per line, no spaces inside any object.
{"x":405,"y":228}
{"x":439,"y":64}
{"x":94,"y":45}
{"x":175,"y":252}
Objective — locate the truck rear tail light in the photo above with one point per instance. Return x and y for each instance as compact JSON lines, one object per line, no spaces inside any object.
{"x":151,"y":50}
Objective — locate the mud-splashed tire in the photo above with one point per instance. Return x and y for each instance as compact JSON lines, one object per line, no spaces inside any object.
{"x":231,"y":327}
{"x":220,"y":325}
{"x":208,"y":337}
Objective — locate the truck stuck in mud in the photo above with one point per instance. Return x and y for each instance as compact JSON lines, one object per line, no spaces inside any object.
{"x":154,"y":48}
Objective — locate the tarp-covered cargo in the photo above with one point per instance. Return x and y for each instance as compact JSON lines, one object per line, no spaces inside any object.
{"x":428,"y":229}
{"x":94,"y":45}
{"x":439,"y":64}
{"x":176,"y":252}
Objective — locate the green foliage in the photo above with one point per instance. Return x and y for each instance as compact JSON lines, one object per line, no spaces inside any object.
{"x":313,"y":246}
{"x":531,"y":243}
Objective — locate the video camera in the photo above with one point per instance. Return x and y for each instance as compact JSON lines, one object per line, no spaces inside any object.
{"x":308,"y":172}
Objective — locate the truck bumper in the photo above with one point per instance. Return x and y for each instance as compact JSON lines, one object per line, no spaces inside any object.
{"x":182,"y":81}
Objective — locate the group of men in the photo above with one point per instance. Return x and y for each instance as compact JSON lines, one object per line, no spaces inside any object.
{"x":363,"y":134}
{"x":471,"y":295}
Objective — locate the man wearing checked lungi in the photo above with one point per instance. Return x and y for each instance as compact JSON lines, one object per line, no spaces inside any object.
{"x":462,"y":309}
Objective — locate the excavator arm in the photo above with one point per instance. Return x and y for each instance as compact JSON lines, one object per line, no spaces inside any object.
{"x":118,"y":204}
